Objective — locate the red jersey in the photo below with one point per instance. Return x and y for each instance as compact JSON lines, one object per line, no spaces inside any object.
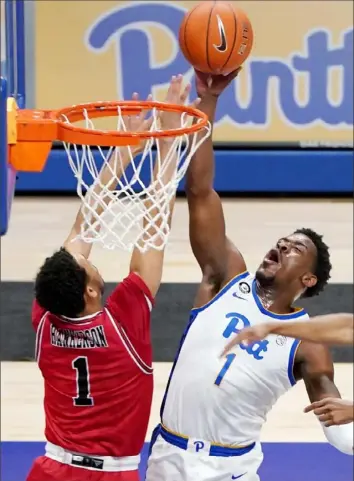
{"x":97,"y":373}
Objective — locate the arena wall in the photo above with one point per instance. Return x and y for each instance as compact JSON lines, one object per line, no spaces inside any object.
{"x":173,"y":302}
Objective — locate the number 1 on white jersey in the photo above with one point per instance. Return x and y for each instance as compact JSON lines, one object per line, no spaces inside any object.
{"x":229,"y":360}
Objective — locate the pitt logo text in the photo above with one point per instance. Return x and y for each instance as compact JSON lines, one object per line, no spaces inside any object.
{"x":138,"y":28}
{"x":236,"y":324}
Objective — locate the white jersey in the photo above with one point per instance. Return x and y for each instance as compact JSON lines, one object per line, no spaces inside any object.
{"x":226,"y":401}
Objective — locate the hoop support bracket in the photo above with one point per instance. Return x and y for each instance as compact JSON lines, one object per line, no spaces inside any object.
{"x":30,"y":134}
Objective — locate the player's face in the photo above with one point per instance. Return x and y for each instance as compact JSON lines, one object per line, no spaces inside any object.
{"x":292,"y":259}
{"x":96,"y":277}
{"x":95,"y":280}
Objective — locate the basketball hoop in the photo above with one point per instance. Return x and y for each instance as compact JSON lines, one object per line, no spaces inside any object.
{"x":133,"y":208}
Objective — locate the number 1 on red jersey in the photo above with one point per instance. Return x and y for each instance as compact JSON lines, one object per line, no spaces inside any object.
{"x":83,"y":398}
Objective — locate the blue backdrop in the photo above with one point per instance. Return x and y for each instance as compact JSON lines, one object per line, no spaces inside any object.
{"x":288,"y":171}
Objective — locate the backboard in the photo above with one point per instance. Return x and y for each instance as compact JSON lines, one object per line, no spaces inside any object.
{"x":12,"y":85}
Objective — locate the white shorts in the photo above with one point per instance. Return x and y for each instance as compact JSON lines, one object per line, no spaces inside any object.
{"x":171,"y":463}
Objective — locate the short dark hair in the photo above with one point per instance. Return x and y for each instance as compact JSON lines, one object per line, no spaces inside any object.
{"x":60,"y":285}
{"x":323,"y":264}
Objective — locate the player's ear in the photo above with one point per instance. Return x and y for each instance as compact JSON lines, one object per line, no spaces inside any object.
{"x":309,"y":280}
{"x":91,"y":292}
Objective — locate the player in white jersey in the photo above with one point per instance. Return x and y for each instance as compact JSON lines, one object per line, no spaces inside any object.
{"x":329,"y":329}
{"x":214,"y":408}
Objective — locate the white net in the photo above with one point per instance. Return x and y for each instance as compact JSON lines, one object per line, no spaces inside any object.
{"x":127,"y":198}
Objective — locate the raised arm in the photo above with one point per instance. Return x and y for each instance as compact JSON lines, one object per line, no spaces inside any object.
{"x":74,"y":245}
{"x":218,"y":258}
{"x":106,"y":180}
{"x":327,"y":329}
{"x":149,"y":265}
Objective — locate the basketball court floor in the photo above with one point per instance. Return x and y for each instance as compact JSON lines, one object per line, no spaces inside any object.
{"x":294,"y":445}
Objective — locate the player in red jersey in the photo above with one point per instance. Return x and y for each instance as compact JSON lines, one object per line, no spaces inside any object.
{"x":95,"y":357}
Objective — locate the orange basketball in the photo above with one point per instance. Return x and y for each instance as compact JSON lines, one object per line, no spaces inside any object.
{"x":216,"y":37}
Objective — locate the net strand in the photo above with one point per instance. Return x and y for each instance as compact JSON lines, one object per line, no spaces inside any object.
{"x":132,"y":209}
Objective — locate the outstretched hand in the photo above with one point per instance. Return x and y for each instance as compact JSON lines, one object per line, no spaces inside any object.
{"x":138,"y":123}
{"x":213,"y":84}
{"x":332,"y":411}
{"x":178,"y":96}
{"x":168,"y":120}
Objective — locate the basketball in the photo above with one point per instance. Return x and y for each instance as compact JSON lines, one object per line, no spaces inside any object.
{"x":216,"y":37}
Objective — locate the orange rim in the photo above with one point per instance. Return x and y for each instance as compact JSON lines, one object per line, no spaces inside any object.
{"x":67,"y":132}
{"x":31,"y":132}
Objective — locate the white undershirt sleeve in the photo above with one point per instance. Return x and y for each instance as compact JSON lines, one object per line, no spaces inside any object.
{"x":341,"y":437}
